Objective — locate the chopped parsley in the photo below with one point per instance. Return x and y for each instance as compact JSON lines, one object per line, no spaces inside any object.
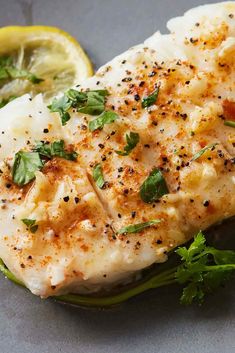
{"x":89,"y":102}
{"x":154,"y":187}
{"x":151,"y":99}
{"x":135,"y":228}
{"x":24,"y":167}
{"x":31,"y":224}
{"x":98,"y":176}
{"x":203,"y":150}
{"x":27,"y":163}
{"x":54,"y":149}
{"x":107,"y":117}
{"x":61,"y":105}
{"x":131,"y":141}
{"x":9,"y":71}
{"x":5,"y":101}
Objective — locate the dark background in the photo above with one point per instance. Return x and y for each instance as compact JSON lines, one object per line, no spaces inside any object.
{"x":153,"y":323}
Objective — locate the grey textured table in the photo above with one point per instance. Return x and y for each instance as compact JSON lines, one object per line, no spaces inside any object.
{"x":154,"y":322}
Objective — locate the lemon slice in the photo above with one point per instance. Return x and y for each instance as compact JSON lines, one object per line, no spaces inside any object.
{"x":39,"y":59}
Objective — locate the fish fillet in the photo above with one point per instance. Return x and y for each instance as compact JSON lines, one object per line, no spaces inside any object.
{"x":77,"y":246}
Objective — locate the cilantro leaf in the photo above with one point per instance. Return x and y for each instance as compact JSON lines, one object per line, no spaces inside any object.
{"x":98,"y":176}
{"x":30,"y":223}
{"x":151,"y":99}
{"x":135,"y":228}
{"x":53,"y":149}
{"x":154,"y":187}
{"x":24,"y":167}
{"x":203,"y":150}
{"x":132,"y":140}
{"x":106,"y":117}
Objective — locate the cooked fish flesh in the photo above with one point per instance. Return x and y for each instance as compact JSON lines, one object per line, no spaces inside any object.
{"x":156,"y":167}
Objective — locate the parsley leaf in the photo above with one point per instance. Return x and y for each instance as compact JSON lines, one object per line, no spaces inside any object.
{"x":6,"y":101}
{"x":154,"y":187}
{"x":61,"y":105}
{"x":53,"y":149}
{"x":151,"y":99}
{"x":203,"y":270}
{"x":132,"y":140}
{"x":203,"y":150}
{"x":135,"y":228}
{"x":30,"y":223}
{"x":9,"y":71}
{"x":24,"y":167}
{"x":98,"y":176}
{"x":106,"y":117}
{"x":27,"y":163}
{"x":89,"y":102}
{"x":95,"y":103}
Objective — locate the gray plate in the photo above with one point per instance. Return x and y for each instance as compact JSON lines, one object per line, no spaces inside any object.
{"x":153,"y":322}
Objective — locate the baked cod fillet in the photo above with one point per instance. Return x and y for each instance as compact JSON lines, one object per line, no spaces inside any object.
{"x":157,"y":165}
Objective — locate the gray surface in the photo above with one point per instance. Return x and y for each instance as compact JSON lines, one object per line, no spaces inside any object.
{"x":152,"y":323}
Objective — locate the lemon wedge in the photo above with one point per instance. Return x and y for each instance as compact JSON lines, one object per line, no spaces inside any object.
{"x":39,"y":59}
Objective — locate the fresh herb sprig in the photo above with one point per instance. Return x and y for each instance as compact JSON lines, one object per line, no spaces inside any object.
{"x":203,"y":269}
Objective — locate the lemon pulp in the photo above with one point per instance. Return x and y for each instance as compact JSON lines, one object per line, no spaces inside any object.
{"x":47,"y":53}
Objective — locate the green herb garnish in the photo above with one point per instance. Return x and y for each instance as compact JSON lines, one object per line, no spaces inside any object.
{"x":6,"y":101}
{"x":98,"y":176}
{"x":30,"y":223}
{"x":203,"y":150}
{"x":24,"y":167}
{"x":131,"y":141}
{"x":135,"y":228}
{"x":154,"y":187}
{"x":9,"y":71}
{"x":61,"y":105}
{"x":107,"y":117}
{"x":27,"y":163}
{"x":54,"y":149}
{"x":203,"y":270}
{"x":89,"y":102}
{"x":151,"y":99}
{"x":229,"y":123}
